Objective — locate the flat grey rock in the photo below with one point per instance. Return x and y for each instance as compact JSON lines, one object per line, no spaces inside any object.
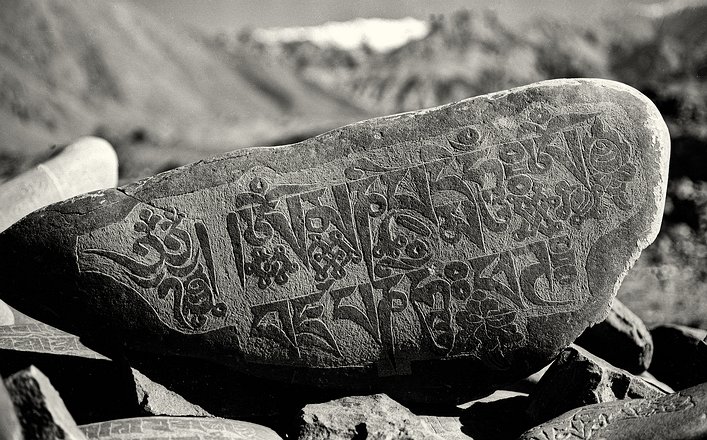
{"x":622,"y":339}
{"x":39,"y":407}
{"x":680,"y":358}
{"x":578,"y":378}
{"x":155,"y":399}
{"x":172,"y":428}
{"x":677,"y":416}
{"x":372,"y":417}
{"x":469,"y":242}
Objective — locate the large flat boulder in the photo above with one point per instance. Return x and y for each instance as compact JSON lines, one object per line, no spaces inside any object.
{"x":467,"y":243}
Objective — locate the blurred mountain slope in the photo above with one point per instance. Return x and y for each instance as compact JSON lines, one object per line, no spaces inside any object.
{"x":67,"y":67}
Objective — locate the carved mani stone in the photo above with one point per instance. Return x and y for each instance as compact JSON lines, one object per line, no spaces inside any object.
{"x":578,"y":378}
{"x":170,"y":428}
{"x":483,"y":235}
{"x":39,"y":407}
{"x":621,"y":339}
{"x":677,"y":416}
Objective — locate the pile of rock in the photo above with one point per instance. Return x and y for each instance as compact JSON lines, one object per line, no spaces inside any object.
{"x":422,"y":275}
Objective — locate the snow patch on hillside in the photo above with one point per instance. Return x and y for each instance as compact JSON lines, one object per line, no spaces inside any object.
{"x":380,"y":34}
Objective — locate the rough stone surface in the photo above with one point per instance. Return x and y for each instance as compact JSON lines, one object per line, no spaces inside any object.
{"x":677,"y":416}
{"x":39,"y":407}
{"x":578,"y":378}
{"x":171,"y":428}
{"x":372,"y":417}
{"x":621,"y":339}
{"x":467,"y":243}
{"x":680,"y":358}
{"x":10,"y":428}
{"x":157,"y":400}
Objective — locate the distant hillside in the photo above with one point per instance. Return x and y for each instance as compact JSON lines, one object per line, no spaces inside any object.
{"x":73,"y":67}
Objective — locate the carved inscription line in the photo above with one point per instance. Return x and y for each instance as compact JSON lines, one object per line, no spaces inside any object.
{"x":472,"y":305}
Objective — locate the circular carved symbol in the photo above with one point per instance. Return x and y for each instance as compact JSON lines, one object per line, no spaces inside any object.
{"x":604,"y":156}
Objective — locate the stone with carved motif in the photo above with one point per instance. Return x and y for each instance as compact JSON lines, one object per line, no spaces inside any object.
{"x":465,"y":244}
{"x":169,"y":428}
{"x":677,"y":416}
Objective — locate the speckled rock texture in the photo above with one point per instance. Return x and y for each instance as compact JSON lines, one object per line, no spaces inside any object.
{"x":677,"y":416}
{"x":10,"y":428}
{"x":578,"y":378}
{"x":39,"y":407}
{"x":375,"y":417}
{"x":464,"y":244}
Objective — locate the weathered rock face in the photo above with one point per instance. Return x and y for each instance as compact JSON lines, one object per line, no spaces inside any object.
{"x":373,"y":417}
{"x":39,"y":407}
{"x":680,"y":355}
{"x":155,"y":399}
{"x":10,"y":428}
{"x":621,"y":339}
{"x":577,"y":378}
{"x":471,"y":241}
{"x":168,"y":428}
{"x":676,"y":416}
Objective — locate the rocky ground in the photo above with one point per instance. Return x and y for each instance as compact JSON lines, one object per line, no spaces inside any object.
{"x":647,"y":384}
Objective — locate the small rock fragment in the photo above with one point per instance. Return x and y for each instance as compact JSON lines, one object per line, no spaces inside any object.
{"x":155,"y":399}
{"x":680,"y":357}
{"x":372,"y":417}
{"x":10,"y":428}
{"x":39,"y":407}
{"x":171,"y":428}
{"x":578,"y":378}
{"x":677,"y":416}
{"x":621,"y":339}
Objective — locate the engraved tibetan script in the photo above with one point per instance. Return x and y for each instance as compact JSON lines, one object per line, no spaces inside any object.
{"x":486,"y":231}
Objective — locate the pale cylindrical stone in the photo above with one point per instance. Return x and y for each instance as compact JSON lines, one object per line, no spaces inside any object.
{"x":6,"y":315}
{"x":88,"y":164}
